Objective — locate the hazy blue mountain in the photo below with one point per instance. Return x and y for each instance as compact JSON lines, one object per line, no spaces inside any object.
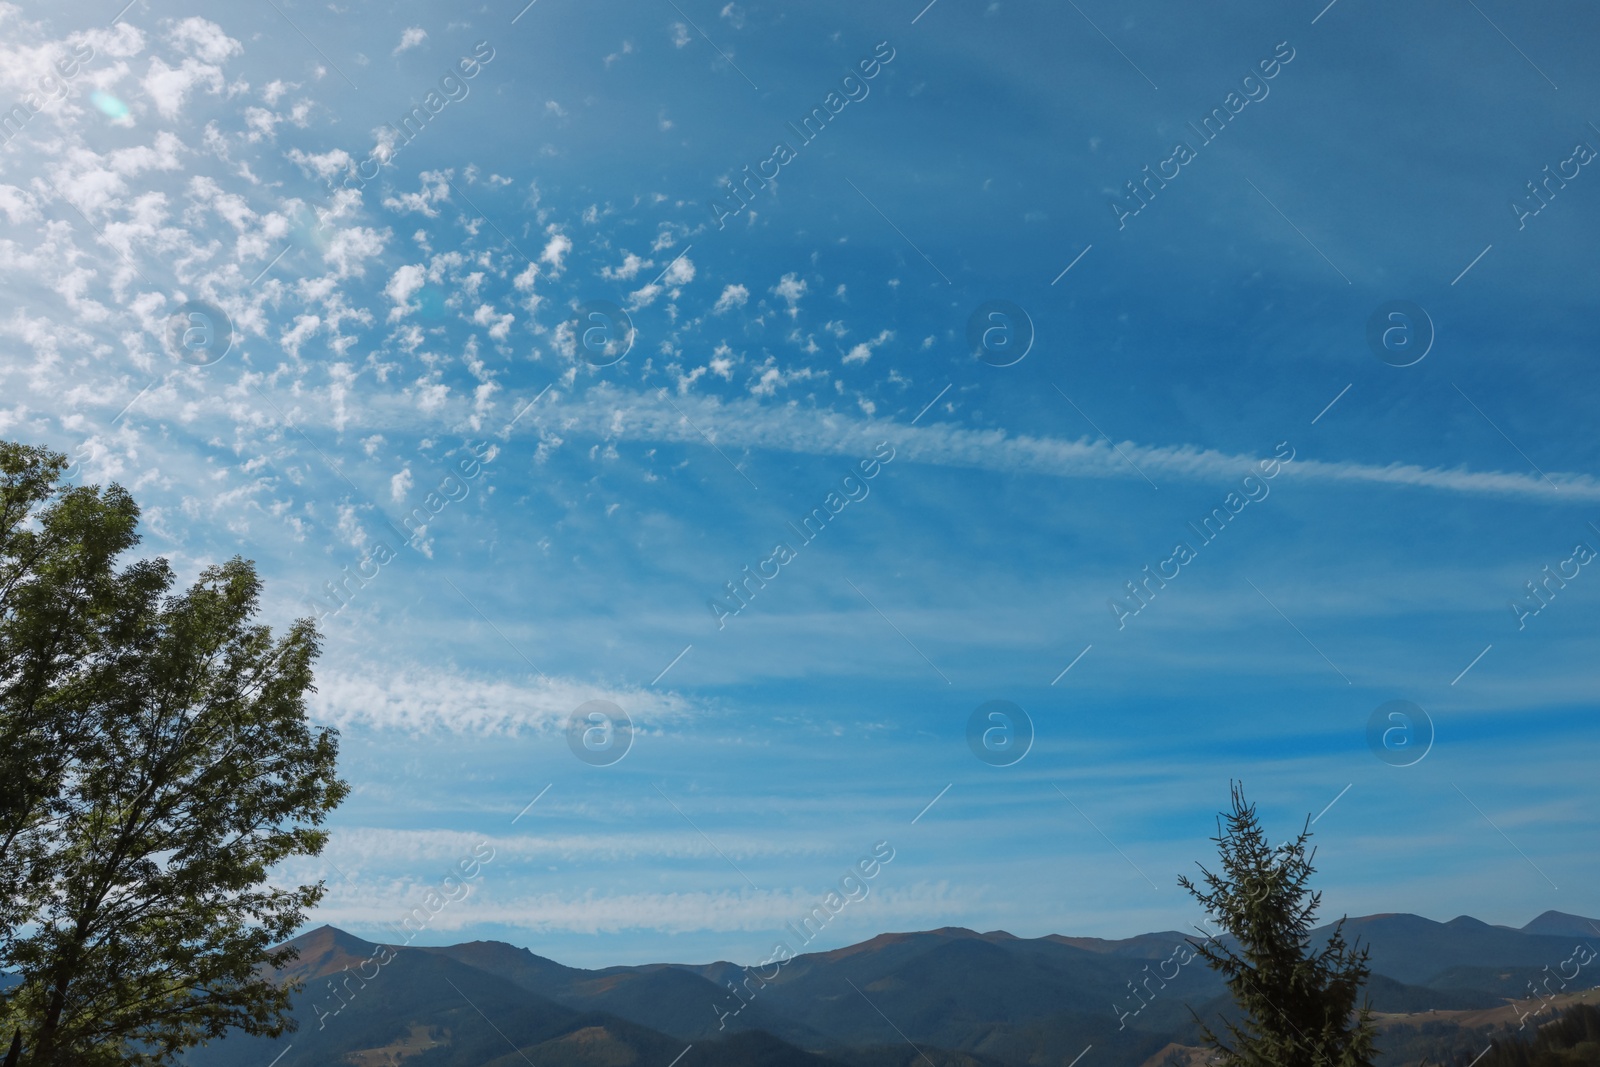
{"x":672,"y":999}
{"x":1413,"y":949}
{"x":1560,"y":924}
{"x":959,"y":997}
{"x":366,"y":1005}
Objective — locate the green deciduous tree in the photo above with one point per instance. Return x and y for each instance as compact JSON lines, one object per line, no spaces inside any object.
{"x":179,"y":768}
{"x":1298,"y":1002}
{"x":58,"y":584}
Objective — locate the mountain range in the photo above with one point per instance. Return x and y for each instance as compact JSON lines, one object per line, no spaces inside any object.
{"x":940,"y":998}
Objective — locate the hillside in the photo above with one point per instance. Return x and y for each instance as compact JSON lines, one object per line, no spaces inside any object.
{"x":955,"y":996}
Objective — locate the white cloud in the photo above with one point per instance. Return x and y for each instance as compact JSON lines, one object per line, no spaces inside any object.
{"x":163,"y":154}
{"x":400,"y":486}
{"x":679,"y":272}
{"x":627,"y":50}
{"x":431,"y":396}
{"x":555,"y":252}
{"x":524,"y":283}
{"x":768,"y":382}
{"x":305,"y":327}
{"x":403,"y":285}
{"x":168,"y":87}
{"x":349,"y":249}
{"x":435,"y":190}
{"x":261,"y":122}
{"x":685,"y":381}
{"x":790,"y":288}
{"x":722,"y":363}
{"x":325,"y":165}
{"x":733,"y":296}
{"x":631,"y":265}
{"x":643,"y":297}
{"x":18,"y":205}
{"x":499,"y":324}
{"x":350,"y":528}
{"x":769,"y":378}
{"x":413,"y":36}
{"x":863,"y":351}
{"x":204,"y":39}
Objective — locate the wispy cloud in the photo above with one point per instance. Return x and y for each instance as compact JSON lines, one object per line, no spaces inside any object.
{"x":750,"y":424}
{"x":437,"y":700}
{"x":380,"y":846}
{"x":920,"y":905}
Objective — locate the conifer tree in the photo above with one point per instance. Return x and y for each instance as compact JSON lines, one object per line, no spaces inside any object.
{"x":1298,"y":1001}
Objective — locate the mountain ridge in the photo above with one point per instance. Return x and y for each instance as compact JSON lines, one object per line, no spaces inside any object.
{"x":956,"y":997}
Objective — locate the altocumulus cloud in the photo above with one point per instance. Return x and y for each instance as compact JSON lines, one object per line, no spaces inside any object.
{"x":423,"y":701}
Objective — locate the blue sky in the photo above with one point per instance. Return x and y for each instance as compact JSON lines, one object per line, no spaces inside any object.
{"x":420,"y":323}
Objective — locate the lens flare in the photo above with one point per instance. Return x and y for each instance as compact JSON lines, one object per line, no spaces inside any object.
{"x":109,"y":104}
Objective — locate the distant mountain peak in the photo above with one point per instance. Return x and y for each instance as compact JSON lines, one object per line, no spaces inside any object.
{"x":1561,"y":924}
{"x":326,"y":950}
{"x":882,"y":941}
{"x":326,"y":937}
